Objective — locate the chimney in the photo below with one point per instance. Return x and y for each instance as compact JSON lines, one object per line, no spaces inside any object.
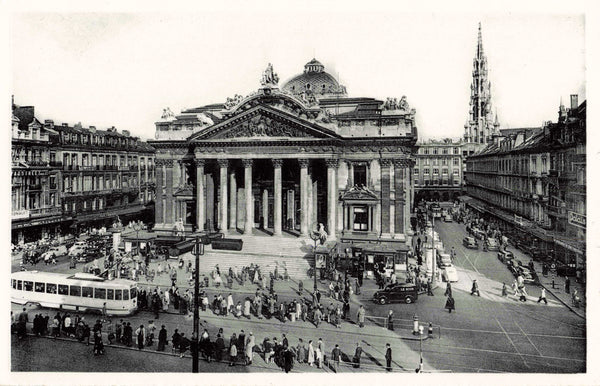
{"x":519,"y":139}
{"x":125,"y":133}
{"x":49,"y":123}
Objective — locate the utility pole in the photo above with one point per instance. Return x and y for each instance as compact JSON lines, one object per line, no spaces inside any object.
{"x":198,"y":250}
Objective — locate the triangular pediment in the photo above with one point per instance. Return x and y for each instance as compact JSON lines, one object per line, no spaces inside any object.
{"x":359,"y":193}
{"x":264,"y":123}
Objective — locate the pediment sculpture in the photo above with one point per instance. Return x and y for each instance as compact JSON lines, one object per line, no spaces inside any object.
{"x":269,"y":77}
{"x":263,"y":126}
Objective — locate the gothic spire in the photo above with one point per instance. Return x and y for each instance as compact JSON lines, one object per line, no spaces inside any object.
{"x":479,"y":43}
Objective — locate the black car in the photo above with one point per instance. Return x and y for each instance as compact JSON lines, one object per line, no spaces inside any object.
{"x":394,"y":293}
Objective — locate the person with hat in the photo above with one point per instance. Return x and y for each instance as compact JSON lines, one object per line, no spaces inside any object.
{"x":475,"y":288}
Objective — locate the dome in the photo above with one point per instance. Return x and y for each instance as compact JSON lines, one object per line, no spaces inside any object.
{"x":314,"y":80}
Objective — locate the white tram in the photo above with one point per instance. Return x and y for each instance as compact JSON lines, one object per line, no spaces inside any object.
{"x":74,"y":292}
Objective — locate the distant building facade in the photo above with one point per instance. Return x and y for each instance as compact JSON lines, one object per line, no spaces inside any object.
{"x":534,"y":180}
{"x":438,"y":170}
{"x":66,"y":178}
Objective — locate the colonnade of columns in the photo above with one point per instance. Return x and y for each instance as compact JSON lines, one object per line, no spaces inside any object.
{"x":389,"y":216}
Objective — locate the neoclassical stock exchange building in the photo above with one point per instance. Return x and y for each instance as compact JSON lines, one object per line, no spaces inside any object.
{"x":288,"y":159}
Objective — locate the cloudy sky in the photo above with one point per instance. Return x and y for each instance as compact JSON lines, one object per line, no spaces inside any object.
{"x":122,"y":69}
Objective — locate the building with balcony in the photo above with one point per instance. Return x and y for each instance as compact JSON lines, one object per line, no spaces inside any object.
{"x":534,"y":180}
{"x":66,"y":178}
{"x":438,"y":171}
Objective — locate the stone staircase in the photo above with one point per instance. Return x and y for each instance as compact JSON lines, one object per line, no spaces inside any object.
{"x":293,"y":253}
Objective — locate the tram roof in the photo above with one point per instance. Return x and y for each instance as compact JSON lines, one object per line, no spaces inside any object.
{"x":68,"y":278}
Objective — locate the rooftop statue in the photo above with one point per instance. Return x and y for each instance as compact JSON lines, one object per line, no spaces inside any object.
{"x":269,"y":77}
{"x":167,"y":114}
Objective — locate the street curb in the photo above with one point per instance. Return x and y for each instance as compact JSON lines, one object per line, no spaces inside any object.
{"x":576,"y":312}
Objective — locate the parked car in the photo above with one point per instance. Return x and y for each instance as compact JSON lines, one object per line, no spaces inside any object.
{"x":491,"y":244}
{"x":512,"y":266}
{"x":400,"y":292}
{"x":448,"y":218}
{"x":77,"y":250}
{"x":444,"y":260}
{"x":449,"y":274}
{"x":526,"y":274}
{"x":505,"y":255}
{"x":54,"y":252}
{"x":470,"y":242}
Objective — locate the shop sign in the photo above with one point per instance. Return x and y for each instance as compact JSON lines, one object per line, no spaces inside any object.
{"x":577,"y":219}
{"x":20,"y":214}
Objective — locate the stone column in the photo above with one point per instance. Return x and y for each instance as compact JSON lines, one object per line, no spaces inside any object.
{"x":158,"y":204}
{"x":385,"y":195}
{"x":315,"y":202}
{"x":350,"y":174}
{"x":200,"y":214}
{"x":223,"y":164}
{"x":399,"y":170}
{"x":277,"y":195}
{"x":265,"y":208}
{"x":169,"y":191}
{"x":249,"y":223}
{"x":309,"y":199}
{"x":303,"y":197}
{"x":331,"y":195}
{"x":232,"y":200}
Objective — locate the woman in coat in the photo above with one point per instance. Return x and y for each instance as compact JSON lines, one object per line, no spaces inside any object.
{"x":390,"y":320}
{"x":232,"y":353}
{"x":250,"y":342}
{"x":311,"y":353}
{"x":162,"y":338}
{"x":247,"y":308}
{"x":450,"y":304}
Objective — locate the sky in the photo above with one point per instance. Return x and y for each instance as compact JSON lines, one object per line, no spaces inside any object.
{"x":121,"y":69}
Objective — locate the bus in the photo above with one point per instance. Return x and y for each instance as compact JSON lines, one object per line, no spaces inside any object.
{"x":74,"y":292}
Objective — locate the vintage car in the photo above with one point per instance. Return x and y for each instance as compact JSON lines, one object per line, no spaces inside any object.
{"x":526,"y":275}
{"x":491,"y":244}
{"x":470,"y":242}
{"x":448,"y":218}
{"x":505,"y":255}
{"x":393,"y":293}
{"x":449,"y":274}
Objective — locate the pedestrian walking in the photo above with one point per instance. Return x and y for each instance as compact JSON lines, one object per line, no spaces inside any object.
{"x":448,"y":289}
{"x":390,"y":320}
{"x":311,"y":353}
{"x":162,"y":339}
{"x":317,"y":316}
{"x":300,"y":351}
{"x":360,"y":315}
{"x":543,"y":296}
{"x":356,"y":287}
{"x":300,"y":287}
{"x":567,"y":285}
{"x":515,"y":287}
{"x":475,"y":288}
{"x":232,"y":352}
{"x":357,"y":355}
{"x":450,"y":304}
{"x":504,"y":290}
{"x":388,"y":357}
{"x":336,"y":356}
{"x":140,"y":334}
{"x":288,"y":360}
{"x":250,"y":342}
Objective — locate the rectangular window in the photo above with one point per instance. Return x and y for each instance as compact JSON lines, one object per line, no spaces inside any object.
{"x":14,"y":283}
{"x":360,"y":219}
{"x":99,"y":293}
{"x":118,"y":294}
{"x":435,"y":150}
{"x":28,"y":285}
{"x":133,"y":293}
{"x":75,"y":290}
{"x":416,"y":182}
{"x":110,"y":294}
{"x":50,"y":288}
{"x":360,"y":174}
{"x":445,"y":150}
{"x":436,"y":171}
{"x":19,"y":285}
{"x":63,"y":289}
{"x":87,"y":292}
{"x":455,"y":162}
{"x":40,"y":287}
{"x":455,"y":172}
{"x":416,"y":172}
{"x":125,"y":295}
{"x":444,"y":162}
{"x":426,"y":171}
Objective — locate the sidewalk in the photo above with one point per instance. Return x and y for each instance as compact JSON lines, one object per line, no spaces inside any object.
{"x":559,"y":290}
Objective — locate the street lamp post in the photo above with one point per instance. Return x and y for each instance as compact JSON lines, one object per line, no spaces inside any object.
{"x":315,"y":237}
{"x":420,"y":349}
{"x":198,"y":250}
{"x":136,"y":228}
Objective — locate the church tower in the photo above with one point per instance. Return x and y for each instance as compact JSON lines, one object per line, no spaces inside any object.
{"x":481,"y":125}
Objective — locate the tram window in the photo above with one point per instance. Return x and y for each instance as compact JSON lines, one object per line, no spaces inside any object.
{"x":87,"y":292}
{"x":110,"y":294}
{"x":75,"y":290}
{"x":99,"y":293}
{"x":19,"y":285}
{"x":40,"y":287}
{"x":125,"y":295}
{"x":118,"y":294}
{"x":133,"y":293}
{"x":14,"y":283}
{"x":28,"y":285}
{"x":63,"y":289}
{"x":50,"y":288}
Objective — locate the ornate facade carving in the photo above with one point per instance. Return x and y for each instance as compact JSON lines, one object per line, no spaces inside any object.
{"x":199,"y":162}
{"x":223,"y":162}
{"x":168,"y":163}
{"x":159,"y":162}
{"x":332,"y":163}
{"x":402,"y":163}
{"x":303,"y":162}
{"x":385,"y":162}
{"x":247,"y":162}
{"x":263,"y":126}
{"x":277,"y":162}
{"x":269,"y":77}
{"x":231,"y":102}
